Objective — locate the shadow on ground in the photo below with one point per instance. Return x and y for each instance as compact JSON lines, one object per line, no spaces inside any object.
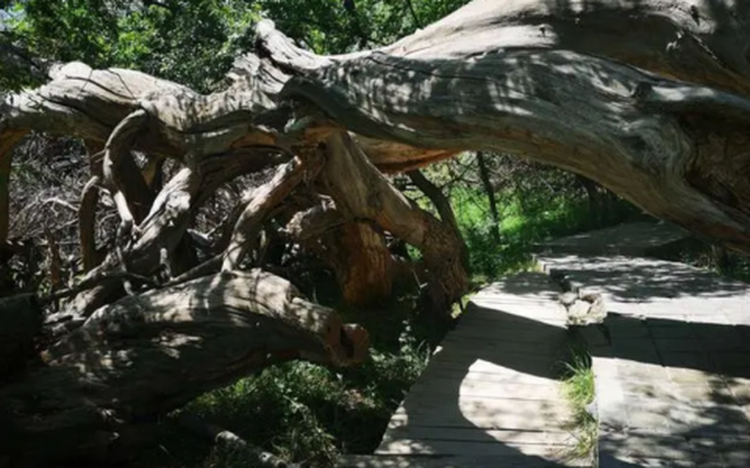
{"x":682,"y":364}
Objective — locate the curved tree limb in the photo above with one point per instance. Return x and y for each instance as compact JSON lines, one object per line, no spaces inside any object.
{"x":149,"y":354}
{"x":117,"y":148}
{"x":87,"y":224}
{"x":651,"y":139}
{"x":260,"y":200}
{"x":361,"y":191}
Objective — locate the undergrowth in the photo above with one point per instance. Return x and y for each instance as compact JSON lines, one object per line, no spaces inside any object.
{"x":309,"y":413}
{"x":524,"y":223}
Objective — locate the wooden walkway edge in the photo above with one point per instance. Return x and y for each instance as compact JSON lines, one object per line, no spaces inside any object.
{"x":489,"y":396}
{"x":671,"y":363}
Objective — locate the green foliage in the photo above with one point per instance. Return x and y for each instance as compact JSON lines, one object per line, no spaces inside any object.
{"x":335,"y":26}
{"x":524,"y":221}
{"x":194,"y":43}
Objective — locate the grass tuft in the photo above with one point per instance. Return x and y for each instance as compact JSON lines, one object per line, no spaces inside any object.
{"x":578,"y":385}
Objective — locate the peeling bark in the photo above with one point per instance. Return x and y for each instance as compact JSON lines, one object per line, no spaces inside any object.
{"x":362,"y":192}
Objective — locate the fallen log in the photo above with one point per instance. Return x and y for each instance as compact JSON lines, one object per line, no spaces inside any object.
{"x":103,"y":384}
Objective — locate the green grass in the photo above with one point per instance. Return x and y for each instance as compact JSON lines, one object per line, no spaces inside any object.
{"x":578,"y":385}
{"x":524,"y":222}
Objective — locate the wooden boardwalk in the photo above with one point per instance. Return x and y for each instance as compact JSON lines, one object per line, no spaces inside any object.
{"x":489,"y":396}
{"x":672,"y":358}
{"x":671,"y":362}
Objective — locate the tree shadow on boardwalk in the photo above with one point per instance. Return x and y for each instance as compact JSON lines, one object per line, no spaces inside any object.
{"x":490,"y":397}
{"x":487,"y":392}
{"x":633,"y":279}
{"x":678,"y":392}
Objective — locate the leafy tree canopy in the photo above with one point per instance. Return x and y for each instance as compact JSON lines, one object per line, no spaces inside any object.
{"x":194,"y":43}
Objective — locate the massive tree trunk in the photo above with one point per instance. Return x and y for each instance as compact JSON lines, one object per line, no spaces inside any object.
{"x":650,"y":99}
{"x":658,"y":115}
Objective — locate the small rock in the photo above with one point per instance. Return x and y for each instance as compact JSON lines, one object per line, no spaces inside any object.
{"x":579,"y":309}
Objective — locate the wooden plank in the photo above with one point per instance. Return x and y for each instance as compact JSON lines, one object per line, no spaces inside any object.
{"x":509,"y":363}
{"x":480,"y":389}
{"x":451,"y":447}
{"x":514,"y":414}
{"x":518,"y":313}
{"x":498,"y":332}
{"x":479,"y":406}
{"x":475,"y":434}
{"x":495,"y":461}
{"x":460,"y":344}
{"x":472,"y":372}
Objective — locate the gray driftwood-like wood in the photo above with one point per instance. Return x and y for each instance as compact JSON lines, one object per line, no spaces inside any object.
{"x":148,"y":354}
{"x":650,"y":99}
{"x":659,"y":115}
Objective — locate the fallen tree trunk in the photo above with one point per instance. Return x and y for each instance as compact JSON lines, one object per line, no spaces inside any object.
{"x":523,"y":78}
{"x":538,"y":80}
{"x":146,"y":355}
{"x":661,"y":116}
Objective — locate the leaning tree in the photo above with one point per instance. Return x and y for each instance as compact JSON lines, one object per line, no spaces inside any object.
{"x":649,"y":98}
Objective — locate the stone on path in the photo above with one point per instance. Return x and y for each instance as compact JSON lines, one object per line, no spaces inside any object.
{"x":671,"y":361}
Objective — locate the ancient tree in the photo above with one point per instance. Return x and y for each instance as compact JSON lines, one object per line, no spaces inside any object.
{"x":649,"y":99}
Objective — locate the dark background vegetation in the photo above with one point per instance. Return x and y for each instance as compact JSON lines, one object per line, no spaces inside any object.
{"x":300,"y":411}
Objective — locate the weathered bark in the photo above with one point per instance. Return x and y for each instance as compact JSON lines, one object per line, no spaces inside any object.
{"x":650,"y":99}
{"x":166,"y":224}
{"x":116,"y":151}
{"x":8,"y":140}
{"x":362,"y":192}
{"x":315,"y":221}
{"x":90,"y":256}
{"x":148,"y":354}
{"x":260,"y":200}
{"x":354,"y":249}
{"x":162,"y":229}
{"x":361,"y":260}
{"x":543,"y":80}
